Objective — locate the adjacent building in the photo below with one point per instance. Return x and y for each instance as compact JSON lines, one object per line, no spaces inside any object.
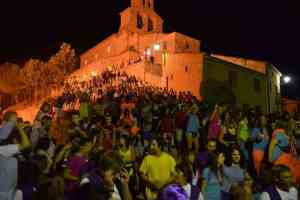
{"x":242,"y":82}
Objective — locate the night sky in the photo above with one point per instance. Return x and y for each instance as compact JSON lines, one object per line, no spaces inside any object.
{"x":259,"y":29}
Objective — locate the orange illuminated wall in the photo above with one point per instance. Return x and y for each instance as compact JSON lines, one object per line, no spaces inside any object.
{"x":290,"y":105}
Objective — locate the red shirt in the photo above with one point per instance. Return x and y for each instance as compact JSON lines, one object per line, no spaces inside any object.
{"x":181,"y":119}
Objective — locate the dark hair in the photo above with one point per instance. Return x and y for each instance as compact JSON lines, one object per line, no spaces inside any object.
{"x":160,"y":141}
{"x":229,"y":157}
{"x":186,"y":170}
{"x":278,"y":169}
{"x":213,"y":162}
{"x":109,"y":161}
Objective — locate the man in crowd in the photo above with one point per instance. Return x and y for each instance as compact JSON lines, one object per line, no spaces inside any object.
{"x":281,"y":188}
{"x":12,"y":141}
{"x":157,"y":169}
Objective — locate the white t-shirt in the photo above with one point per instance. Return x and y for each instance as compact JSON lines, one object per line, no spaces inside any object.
{"x":9,"y":150}
{"x":8,"y":176}
{"x":291,"y":195}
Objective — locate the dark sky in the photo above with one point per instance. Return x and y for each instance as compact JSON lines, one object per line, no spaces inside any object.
{"x":260,"y":29}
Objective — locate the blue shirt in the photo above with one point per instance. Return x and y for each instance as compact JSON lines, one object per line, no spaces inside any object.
{"x":193,"y":123}
{"x":232,"y":176}
{"x":282,"y":142}
{"x":256,"y":133}
{"x":213,"y":187}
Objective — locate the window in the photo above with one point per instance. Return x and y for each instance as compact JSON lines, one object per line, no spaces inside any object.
{"x":150,"y":25}
{"x":140,"y":23}
{"x":232,"y":78}
{"x":165,"y":46}
{"x":187,"y":45}
{"x":149,"y":4}
{"x":144,"y":3}
{"x":186,"y":68}
{"x":131,"y":48}
{"x":257,"y":87}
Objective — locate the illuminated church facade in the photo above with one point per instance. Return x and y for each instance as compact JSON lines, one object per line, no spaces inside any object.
{"x":171,"y":60}
{"x":174,"y":60}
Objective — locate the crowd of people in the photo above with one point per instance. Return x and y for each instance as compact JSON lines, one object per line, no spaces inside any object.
{"x":114,"y":137}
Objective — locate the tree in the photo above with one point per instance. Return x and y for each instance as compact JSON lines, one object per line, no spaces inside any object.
{"x":65,"y":59}
{"x":32,"y":72}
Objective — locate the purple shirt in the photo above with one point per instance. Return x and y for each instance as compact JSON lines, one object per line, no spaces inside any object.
{"x":202,"y":161}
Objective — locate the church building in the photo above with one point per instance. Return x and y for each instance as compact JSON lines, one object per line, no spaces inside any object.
{"x":171,"y":60}
{"x":175,"y":61}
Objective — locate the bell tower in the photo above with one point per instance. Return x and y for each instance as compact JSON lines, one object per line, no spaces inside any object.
{"x":141,"y":17}
{"x":147,"y":4}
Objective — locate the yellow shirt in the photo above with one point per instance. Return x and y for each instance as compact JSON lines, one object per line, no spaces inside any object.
{"x":158,"y":169}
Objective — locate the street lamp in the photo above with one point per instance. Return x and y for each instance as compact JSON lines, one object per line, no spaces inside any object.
{"x":156,"y":47}
{"x":286,"y":79}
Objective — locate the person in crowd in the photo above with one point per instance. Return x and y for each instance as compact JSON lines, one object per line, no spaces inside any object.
{"x":281,"y":152}
{"x":75,"y":163}
{"x":180,"y":123}
{"x":192,"y":129}
{"x":234,"y":172}
{"x":213,"y":177}
{"x":128,"y":157}
{"x":40,"y":130}
{"x":281,"y":187}
{"x":183,"y":174}
{"x":260,"y":138}
{"x":297,"y":134}
{"x":215,"y":123}
{"x":203,"y":158}
{"x":167,"y":128}
{"x":13,"y":140}
{"x":107,"y":182}
{"x":243,"y":136}
{"x":157,"y":168}
{"x":228,"y":134}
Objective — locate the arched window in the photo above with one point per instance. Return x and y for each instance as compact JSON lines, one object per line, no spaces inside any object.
{"x":149,"y":4}
{"x":144,"y":3}
{"x":186,"y":69}
{"x":150,"y":25}
{"x":140,"y":22}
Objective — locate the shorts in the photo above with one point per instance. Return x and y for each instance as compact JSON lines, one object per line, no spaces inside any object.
{"x":193,"y":134}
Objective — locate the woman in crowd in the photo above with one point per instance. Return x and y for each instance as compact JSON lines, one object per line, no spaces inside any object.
{"x":213,"y":177}
{"x":228,"y":134}
{"x":234,"y":172}
{"x":260,"y":138}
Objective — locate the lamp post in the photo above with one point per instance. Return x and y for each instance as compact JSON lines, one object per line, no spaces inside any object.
{"x":286,"y":79}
